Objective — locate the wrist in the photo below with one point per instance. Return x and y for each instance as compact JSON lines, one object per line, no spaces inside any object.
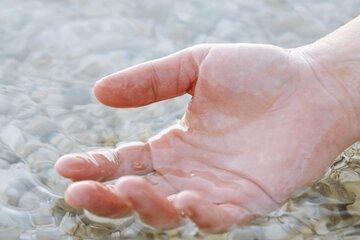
{"x":336,"y":57}
{"x":339,"y":75}
{"x":339,"y":70}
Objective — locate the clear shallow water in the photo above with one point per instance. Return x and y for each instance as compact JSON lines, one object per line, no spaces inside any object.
{"x":51,"y":52}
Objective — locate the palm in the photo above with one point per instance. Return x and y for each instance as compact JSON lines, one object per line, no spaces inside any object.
{"x":247,"y":141}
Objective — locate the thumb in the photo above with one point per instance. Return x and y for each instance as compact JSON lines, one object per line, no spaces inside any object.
{"x":152,"y":81}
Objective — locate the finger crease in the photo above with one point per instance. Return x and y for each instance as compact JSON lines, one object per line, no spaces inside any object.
{"x":154,"y":79}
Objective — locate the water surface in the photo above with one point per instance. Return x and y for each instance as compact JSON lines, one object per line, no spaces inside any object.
{"x":51,"y":52}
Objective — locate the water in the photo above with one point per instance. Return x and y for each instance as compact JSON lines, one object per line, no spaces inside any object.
{"x":51,"y":52}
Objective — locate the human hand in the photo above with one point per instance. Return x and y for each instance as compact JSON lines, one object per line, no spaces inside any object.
{"x":260,"y":126}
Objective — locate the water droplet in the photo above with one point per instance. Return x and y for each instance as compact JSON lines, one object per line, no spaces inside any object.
{"x":182,"y":213}
{"x":138,"y":166}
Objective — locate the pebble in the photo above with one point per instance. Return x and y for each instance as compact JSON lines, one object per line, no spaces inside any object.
{"x":8,"y":155}
{"x":12,"y":197}
{"x":13,"y":137}
{"x":29,"y":201}
{"x":41,"y":217}
{"x":41,"y":127}
{"x":5,"y":105}
{"x":68,"y":224}
{"x":4,"y":164}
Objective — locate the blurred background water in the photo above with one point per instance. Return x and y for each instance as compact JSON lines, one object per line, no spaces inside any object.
{"x":51,"y":52}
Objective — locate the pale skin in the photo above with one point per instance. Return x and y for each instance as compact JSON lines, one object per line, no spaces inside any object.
{"x":263,"y":123}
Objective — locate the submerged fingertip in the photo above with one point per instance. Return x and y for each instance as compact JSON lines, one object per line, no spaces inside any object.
{"x":71,"y":194}
{"x":101,"y":92}
{"x":126,"y":184}
{"x":78,"y":193}
{"x":106,"y":96}
{"x":184,"y":203}
{"x":61,"y":165}
{"x":76,"y":168}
